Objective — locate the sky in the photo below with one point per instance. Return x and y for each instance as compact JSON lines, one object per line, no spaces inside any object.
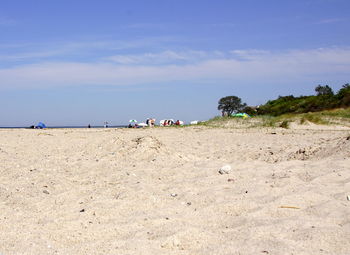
{"x":86,"y":61}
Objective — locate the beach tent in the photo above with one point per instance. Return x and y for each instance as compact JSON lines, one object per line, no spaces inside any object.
{"x":142,"y":124}
{"x":40,"y":125}
{"x":240,"y":115}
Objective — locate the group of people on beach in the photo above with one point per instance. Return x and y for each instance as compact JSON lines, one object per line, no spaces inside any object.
{"x":150,"y":122}
{"x":168,"y":123}
{"x":171,"y":122}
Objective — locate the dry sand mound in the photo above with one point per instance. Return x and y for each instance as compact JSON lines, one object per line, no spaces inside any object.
{"x":142,"y":148}
{"x":339,"y":148}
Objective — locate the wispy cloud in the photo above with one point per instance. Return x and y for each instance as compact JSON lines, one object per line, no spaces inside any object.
{"x":4,"y":21}
{"x":165,"y":57}
{"x":236,"y":66}
{"x":32,"y":55}
{"x":69,"y":50}
{"x":330,"y":21}
{"x":102,"y":51}
{"x":146,"y":26}
{"x":223,"y":25}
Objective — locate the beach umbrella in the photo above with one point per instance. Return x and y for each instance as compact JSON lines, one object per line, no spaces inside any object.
{"x":133,"y":121}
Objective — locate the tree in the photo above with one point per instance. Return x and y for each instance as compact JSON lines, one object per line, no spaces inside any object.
{"x":230,"y":104}
{"x":344,"y":95}
{"x":345,"y":90}
{"x":250,"y":110}
{"x":324,"y":90}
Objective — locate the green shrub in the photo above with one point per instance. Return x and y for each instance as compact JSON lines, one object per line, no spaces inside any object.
{"x":304,"y":104}
{"x":284,"y":124}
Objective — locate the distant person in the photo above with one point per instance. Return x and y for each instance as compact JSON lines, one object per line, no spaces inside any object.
{"x":89,"y":126}
{"x":130,"y":126}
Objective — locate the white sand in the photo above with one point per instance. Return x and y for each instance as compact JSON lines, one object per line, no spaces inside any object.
{"x":158,"y":191}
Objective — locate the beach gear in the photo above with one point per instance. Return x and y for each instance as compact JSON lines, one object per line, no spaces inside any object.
{"x":240,"y":115}
{"x":40,"y":125}
{"x":133,"y":121}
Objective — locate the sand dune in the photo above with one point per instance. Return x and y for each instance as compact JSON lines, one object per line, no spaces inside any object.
{"x":158,"y":191}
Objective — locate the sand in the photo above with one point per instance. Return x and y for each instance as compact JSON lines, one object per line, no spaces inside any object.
{"x":158,"y":191}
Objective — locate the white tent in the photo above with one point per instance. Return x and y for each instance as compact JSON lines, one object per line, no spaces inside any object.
{"x":142,"y":124}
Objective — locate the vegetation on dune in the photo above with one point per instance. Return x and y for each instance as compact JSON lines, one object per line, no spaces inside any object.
{"x":325,"y":99}
{"x":326,"y":107}
{"x":328,"y":117}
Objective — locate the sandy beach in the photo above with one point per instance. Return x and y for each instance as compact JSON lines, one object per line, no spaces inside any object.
{"x":159,"y":191}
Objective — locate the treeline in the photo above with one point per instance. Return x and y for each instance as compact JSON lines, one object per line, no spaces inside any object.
{"x":325,"y":99}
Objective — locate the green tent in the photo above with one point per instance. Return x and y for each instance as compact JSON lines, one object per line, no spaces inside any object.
{"x":240,"y":115}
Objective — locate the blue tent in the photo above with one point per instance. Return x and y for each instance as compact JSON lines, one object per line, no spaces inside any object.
{"x":40,"y":125}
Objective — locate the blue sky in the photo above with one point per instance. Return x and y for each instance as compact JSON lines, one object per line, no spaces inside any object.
{"x":88,"y":61}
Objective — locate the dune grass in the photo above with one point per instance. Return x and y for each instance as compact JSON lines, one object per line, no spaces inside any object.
{"x":329,"y":117}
